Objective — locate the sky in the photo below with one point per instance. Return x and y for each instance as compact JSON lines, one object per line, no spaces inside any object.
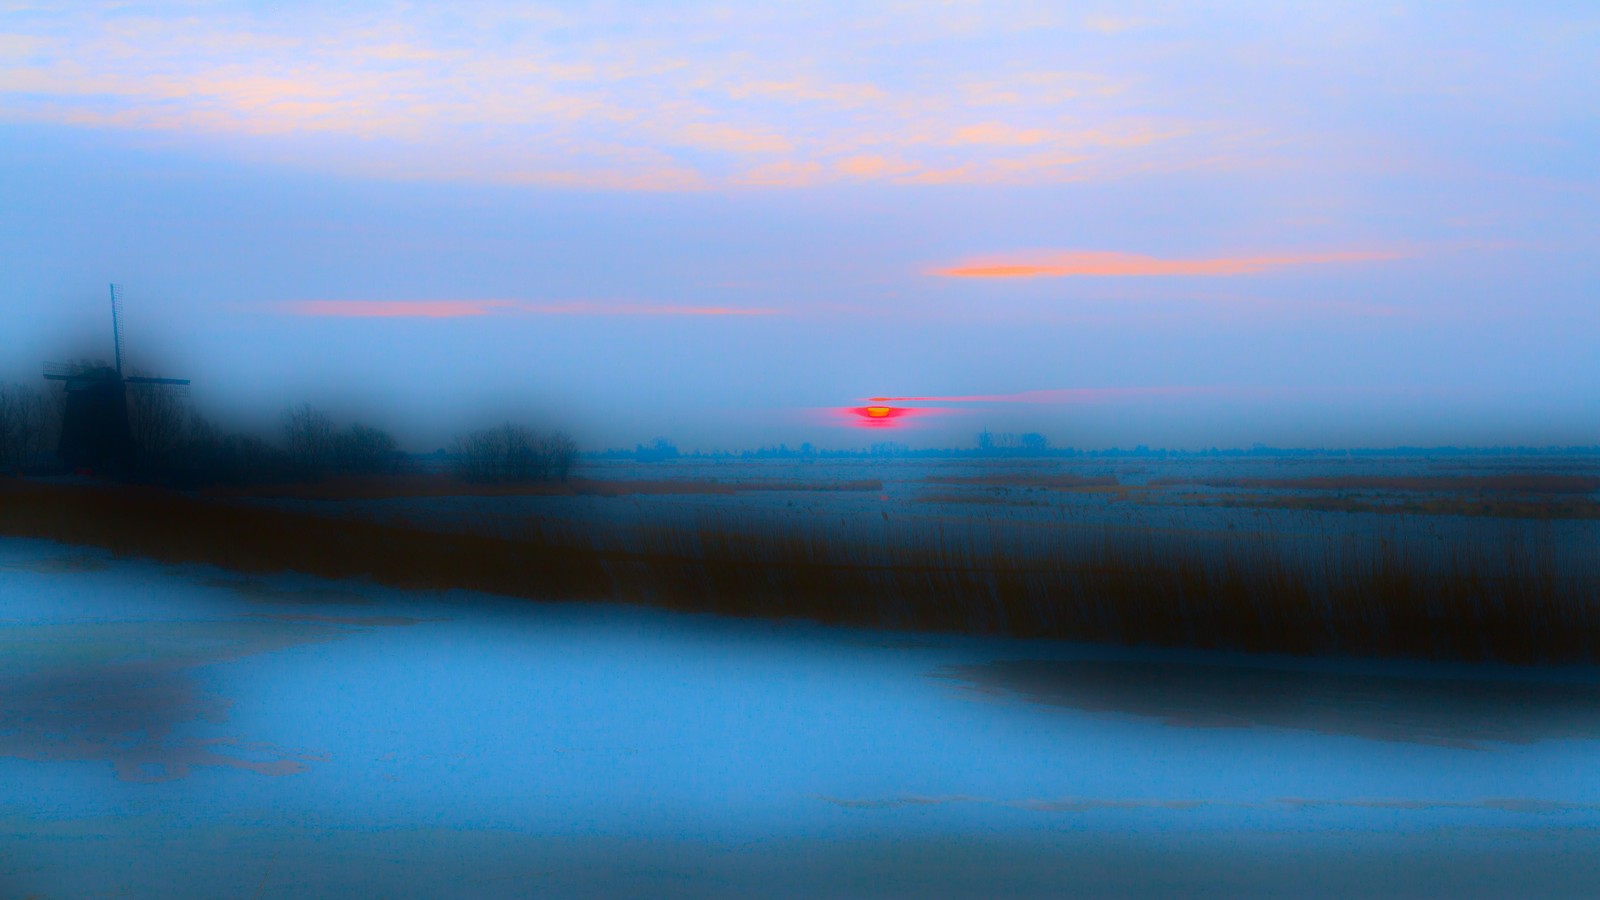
{"x":736,"y":224}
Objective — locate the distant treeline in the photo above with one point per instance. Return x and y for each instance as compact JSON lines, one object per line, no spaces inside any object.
{"x":1033,"y":445}
{"x":174,"y":445}
{"x":313,"y":446}
{"x":27,"y":422}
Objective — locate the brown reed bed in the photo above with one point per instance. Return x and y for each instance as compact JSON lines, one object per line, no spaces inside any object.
{"x":413,"y":485}
{"x":1520,"y":483}
{"x":1509,"y":596}
{"x":172,"y":527}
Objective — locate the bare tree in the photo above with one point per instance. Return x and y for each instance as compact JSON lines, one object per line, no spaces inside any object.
{"x":1033,"y":442}
{"x":159,"y":419}
{"x":316,"y":446}
{"x":493,"y":454}
{"x":211,"y":455}
{"x":561,"y":451}
{"x":309,"y":437}
{"x":513,"y":453}
{"x":362,"y":448}
{"x":24,"y":427}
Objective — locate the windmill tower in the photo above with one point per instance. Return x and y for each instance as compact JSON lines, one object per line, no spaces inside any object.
{"x":95,"y":432}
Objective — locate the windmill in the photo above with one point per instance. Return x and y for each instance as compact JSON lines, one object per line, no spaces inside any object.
{"x":95,"y":432}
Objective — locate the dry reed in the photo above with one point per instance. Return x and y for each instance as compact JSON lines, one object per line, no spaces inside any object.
{"x":1509,"y":596}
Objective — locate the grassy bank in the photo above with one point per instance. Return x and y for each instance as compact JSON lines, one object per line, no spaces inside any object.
{"x":1509,"y":597}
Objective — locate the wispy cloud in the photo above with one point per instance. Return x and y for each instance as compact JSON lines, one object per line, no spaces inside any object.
{"x":784,"y":173}
{"x":1000,"y":134}
{"x":1116,"y":24}
{"x":966,"y":93}
{"x":874,"y":166}
{"x":1091,"y":263}
{"x":450,"y":309}
{"x":685,"y":98}
{"x":730,"y":139}
{"x":1060,"y":395}
{"x":641,"y":309}
{"x":394,"y":309}
{"x":810,"y":90}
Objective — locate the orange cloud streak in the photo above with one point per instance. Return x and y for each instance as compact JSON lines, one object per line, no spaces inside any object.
{"x":1112,"y":264}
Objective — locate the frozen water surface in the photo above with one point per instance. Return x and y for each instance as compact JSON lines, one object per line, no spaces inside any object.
{"x":184,"y":731}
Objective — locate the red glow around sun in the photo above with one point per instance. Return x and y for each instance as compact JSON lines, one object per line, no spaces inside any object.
{"x":876,"y":412}
{"x":878,"y":416}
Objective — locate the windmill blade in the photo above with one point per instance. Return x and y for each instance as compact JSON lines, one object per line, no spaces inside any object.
{"x":60,"y":371}
{"x":116,"y":329}
{"x":176,"y":386}
{"x":145,"y":379}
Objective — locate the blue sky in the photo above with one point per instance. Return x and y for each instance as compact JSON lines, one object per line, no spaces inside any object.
{"x":1114,"y":224}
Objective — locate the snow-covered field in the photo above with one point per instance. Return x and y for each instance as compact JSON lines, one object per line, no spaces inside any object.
{"x":184,"y":731}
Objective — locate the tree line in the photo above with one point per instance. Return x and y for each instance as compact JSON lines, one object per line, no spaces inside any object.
{"x":172,"y":443}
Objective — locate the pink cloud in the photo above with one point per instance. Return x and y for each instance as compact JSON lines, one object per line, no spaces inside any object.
{"x":1003,"y":135}
{"x":785,"y":173}
{"x":873,"y":166}
{"x":1113,"y":264}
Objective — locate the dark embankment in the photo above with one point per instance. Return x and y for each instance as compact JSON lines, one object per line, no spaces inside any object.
{"x":1510,"y":598}
{"x":1482,"y":505}
{"x":382,"y":487}
{"x":1517,"y":483}
{"x":1050,"y":481}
